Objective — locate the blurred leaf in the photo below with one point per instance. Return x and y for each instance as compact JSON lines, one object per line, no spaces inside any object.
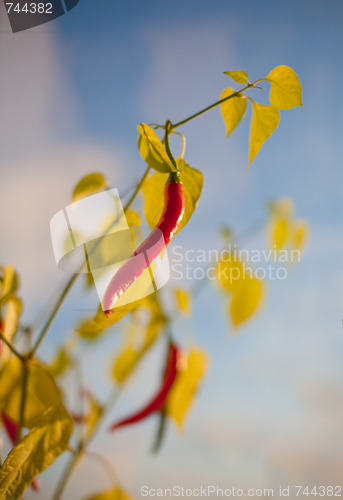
{"x":42,"y":392}
{"x":60,"y":364}
{"x":93,"y":415}
{"x":153,"y":191}
{"x":92,"y":328}
{"x":124,"y":363}
{"x":132,"y":217}
{"x":265,"y":120}
{"x":300,"y":234}
{"x":8,"y":281}
{"x":13,"y":310}
{"x":238,"y":76}
{"x":136,"y":345}
{"x":226,"y":233}
{"x":284,"y":207}
{"x":183,"y":300}
{"x":36,"y":452}
{"x":246,"y":299}
{"x":90,"y":184}
{"x":285,"y":92}
{"x":280,"y":232}
{"x":186,"y":385}
{"x":114,"y":494}
{"x":230,"y":272}
{"x":233,"y":110}
{"x":152,"y":150}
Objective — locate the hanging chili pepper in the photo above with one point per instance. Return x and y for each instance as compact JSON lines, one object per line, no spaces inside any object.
{"x":174,"y":207}
{"x":12,"y":428}
{"x":157,"y":402}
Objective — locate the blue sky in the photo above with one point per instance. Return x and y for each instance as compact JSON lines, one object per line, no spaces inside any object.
{"x":273,"y":400}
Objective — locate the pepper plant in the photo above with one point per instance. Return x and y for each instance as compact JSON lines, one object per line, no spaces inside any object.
{"x":34,"y":414}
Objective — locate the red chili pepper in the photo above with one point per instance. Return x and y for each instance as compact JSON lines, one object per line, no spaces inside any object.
{"x":174,"y":207}
{"x":12,"y":428}
{"x":157,"y":403}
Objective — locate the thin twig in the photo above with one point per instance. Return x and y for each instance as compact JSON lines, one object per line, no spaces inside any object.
{"x":11,"y":347}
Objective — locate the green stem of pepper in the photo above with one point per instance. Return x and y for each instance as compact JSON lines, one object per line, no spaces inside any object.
{"x":217,"y":103}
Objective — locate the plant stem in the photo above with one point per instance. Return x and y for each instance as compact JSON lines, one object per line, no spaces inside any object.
{"x":75,"y":458}
{"x":107,"y":465}
{"x":53,"y":314}
{"x":23,"y":399}
{"x":168,"y":128}
{"x":74,"y":277}
{"x":66,"y":475}
{"x":11,"y":347}
{"x":235,"y":94}
{"x":138,"y":188}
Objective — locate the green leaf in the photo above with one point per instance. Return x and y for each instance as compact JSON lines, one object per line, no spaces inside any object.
{"x":88,"y":185}
{"x":42,"y":392}
{"x":183,"y":300}
{"x":13,"y":310}
{"x":137,"y":345}
{"x":232,"y":110}
{"x":265,"y":120}
{"x":61,"y":363}
{"x":153,"y":192}
{"x":115,"y":493}
{"x":185,"y":387}
{"x":246,"y":299}
{"x":36,"y":452}
{"x":8,"y":282}
{"x":92,"y":328}
{"x":152,"y":150}
{"x":238,"y":76}
{"x":285,"y":92}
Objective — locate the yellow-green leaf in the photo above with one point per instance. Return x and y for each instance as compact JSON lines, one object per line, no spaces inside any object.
{"x":91,"y":328}
{"x":300,"y":232}
{"x":230,"y":272}
{"x":93,"y":415}
{"x":13,"y":310}
{"x":183,"y":300}
{"x":186,"y":385}
{"x":226,"y":232}
{"x":36,"y":452}
{"x":132,"y":217}
{"x":115,"y":493}
{"x":8,"y":282}
{"x":153,"y":191}
{"x":90,"y":184}
{"x":124,"y":363}
{"x":42,"y":392}
{"x":246,"y":299}
{"x":285,"y":92}
{"x":232,"y":110}
{"x":265,"y":120}
{"x":284,"y":207}
{"x":152,"y":150}
{"x":280,"y":232}
{"x":61,"y":363}
{"x":137,"y":345}
{"x":238,"y":76}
